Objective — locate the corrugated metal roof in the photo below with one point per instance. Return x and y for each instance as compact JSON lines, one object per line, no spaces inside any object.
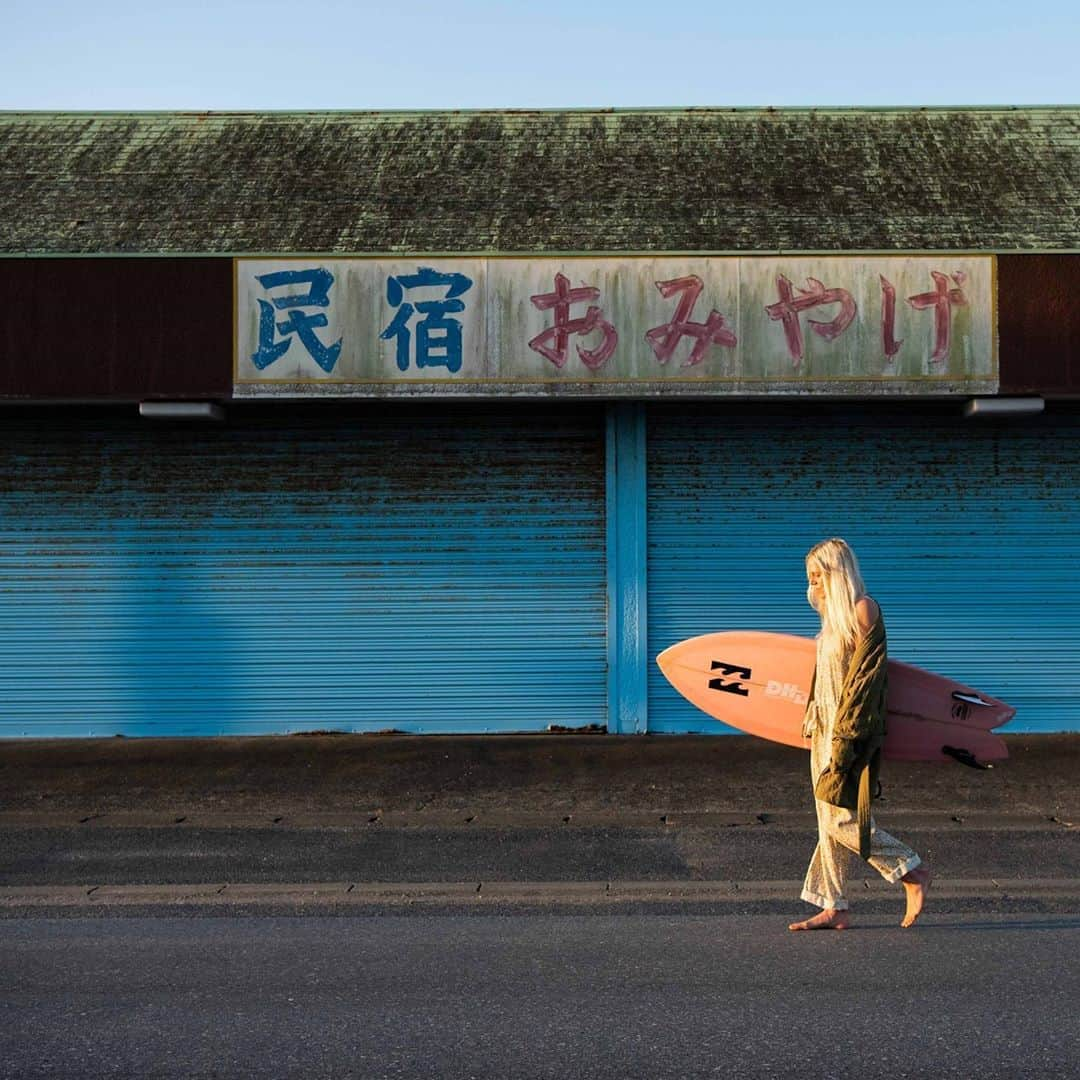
{"x":986,"y":179}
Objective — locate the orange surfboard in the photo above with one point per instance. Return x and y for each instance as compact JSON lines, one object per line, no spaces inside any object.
{"x":758,"y":682}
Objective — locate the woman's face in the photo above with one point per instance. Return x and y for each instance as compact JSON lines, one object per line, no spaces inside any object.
{"x":816,"y":582}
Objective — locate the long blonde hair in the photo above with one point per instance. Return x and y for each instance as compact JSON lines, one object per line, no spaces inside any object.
{"x":843,"y":585}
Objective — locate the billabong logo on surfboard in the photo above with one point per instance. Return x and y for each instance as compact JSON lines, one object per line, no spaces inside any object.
{"x":734,"y":686}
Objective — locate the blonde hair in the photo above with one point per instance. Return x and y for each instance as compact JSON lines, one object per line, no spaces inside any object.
{"x":843,"y":586}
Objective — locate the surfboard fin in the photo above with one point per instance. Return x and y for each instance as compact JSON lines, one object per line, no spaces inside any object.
{"x":965,"y":757}
{"x":971,"y":699}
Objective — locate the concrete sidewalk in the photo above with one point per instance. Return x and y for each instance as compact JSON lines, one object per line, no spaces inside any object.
{"x":507,"y":775}
{"x":361,"y":820}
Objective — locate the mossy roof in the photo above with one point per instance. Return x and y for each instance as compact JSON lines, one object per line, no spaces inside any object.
{"x":721,"y":180}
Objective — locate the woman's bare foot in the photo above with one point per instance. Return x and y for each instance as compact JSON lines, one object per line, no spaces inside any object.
{"x":829,"y":919}
{"x":916,"y":883}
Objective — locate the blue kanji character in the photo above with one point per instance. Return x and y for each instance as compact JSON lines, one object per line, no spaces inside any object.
{"x":438,"y":338}
{"x":296,"y":322}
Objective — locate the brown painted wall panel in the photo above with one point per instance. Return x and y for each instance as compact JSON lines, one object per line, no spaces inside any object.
{"x":116,"y":329}
{"x":1039,"y":324}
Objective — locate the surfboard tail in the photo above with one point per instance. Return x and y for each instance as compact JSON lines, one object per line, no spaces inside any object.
{"x":980,"y":710}
{"x":918,"y":692}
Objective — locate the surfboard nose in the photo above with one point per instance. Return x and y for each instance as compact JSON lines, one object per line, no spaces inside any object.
{"x":665,"y":661}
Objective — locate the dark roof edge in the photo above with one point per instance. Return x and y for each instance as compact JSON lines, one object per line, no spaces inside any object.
{"x":585,"y":110}
{"x":651,"y":253}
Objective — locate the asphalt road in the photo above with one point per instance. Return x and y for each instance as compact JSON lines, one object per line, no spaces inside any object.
{"x":509,"y":995}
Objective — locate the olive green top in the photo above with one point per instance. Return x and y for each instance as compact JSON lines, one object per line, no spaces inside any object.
{"x":858,"y":731}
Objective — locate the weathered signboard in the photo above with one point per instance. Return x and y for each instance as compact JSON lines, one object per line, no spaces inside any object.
{"x":632,"y":326}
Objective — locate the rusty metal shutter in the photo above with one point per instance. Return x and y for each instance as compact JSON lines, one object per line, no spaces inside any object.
{"x":968,"y":533}
{"x":426,"y":569}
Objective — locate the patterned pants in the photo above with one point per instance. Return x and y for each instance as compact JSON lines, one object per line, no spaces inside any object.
{"x":838,"y":839}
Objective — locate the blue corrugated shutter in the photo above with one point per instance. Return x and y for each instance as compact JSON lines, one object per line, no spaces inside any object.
{"x":422,"y":569}
{"x":968,"y":534}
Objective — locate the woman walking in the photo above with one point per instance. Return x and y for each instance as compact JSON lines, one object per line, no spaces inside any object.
{"x":845,"y":722}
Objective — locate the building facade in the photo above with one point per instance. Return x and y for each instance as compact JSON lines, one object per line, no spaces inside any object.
{"x":450,"y":422}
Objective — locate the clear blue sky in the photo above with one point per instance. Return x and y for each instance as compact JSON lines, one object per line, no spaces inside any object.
{"x":326,"y":54}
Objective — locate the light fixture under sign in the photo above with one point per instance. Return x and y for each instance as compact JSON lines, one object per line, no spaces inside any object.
{"x":181,"y":410}
{"x":1004,"y":406}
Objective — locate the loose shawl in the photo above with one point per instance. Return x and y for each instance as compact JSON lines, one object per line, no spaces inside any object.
{"x":858,"y":732}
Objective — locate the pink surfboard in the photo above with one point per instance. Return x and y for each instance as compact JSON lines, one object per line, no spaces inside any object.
{"x":758,"y":682}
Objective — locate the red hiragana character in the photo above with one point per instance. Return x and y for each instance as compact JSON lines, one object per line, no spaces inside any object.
{"x":663,"y":339}
{"x":888,"y":319}
{"x":941,"y":300}
{"x":788,"y":307}
{"x":560,"y":300}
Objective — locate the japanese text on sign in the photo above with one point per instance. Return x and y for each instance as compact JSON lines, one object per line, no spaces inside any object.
{"x":633,"y":325}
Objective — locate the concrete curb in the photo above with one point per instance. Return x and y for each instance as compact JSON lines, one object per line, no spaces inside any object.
{"x":479,"y":894}
{"x":494,"y":819}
